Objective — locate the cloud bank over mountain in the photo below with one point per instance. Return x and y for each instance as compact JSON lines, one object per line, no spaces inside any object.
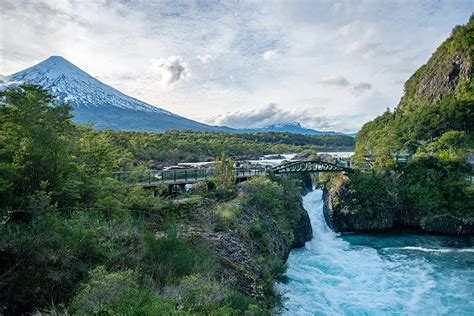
{"x":272,"y":113}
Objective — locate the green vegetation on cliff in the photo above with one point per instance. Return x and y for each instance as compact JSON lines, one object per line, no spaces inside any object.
{"x":438,"y":98}
{"x":433,"y":125}
{"x":72,"y":238}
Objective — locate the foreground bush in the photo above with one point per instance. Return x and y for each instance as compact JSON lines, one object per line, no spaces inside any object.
{"x":117,"y":293}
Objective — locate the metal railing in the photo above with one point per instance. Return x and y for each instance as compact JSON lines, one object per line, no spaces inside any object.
{"x":180,"y":176}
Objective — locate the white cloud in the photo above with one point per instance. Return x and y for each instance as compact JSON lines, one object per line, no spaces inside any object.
{"x":362,"y":87}
{"x":171,"y":69}
{"x":364,"y":42}
{"x":335,"y":81}
{"x":205,"y":58}
{"x":271,"y":55}
{"x":343,"y":82}
{"x":272,"y":113}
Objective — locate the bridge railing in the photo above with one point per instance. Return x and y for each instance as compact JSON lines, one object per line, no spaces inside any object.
{"x":249,"y":171}
{"x":181,"y":175}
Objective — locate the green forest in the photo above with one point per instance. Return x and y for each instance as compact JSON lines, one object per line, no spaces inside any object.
{"x":192,"y":146}
{"x":75,"y":240}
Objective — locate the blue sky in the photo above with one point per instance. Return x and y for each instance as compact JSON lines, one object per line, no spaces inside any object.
{"x":331,"y":65}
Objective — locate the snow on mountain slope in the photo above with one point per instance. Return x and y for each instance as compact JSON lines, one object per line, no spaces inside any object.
{"x":69,"y":83}
{"x":95,"y":102}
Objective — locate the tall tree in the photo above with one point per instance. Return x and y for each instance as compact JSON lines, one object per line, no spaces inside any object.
{"x":34,"y":144}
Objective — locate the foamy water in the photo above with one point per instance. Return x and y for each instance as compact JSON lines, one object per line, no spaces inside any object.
{"x":378,"y":275}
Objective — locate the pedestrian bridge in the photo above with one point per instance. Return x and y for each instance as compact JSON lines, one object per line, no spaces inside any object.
{"x":181,"y":177}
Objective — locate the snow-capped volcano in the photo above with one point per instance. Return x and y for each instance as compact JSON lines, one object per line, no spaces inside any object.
{"x":94,"y":101}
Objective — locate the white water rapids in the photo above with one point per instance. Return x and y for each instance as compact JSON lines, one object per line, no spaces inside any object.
{"x":400,"y":274}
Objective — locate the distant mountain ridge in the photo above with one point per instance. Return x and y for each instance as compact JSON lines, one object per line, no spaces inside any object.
{"x":294,"y":127}
{"x":105,"y":107}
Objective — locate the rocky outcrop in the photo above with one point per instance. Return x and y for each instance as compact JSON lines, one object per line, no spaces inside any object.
{"x":302,"y":231}
{"x":445,"y":72}
{"x":342,"y":219}
{"x":255,"y":241}
{"x":237,"y":258}
{"x":387,"y":218}
{"x":442,"y":75}
{"x":448,"y":225}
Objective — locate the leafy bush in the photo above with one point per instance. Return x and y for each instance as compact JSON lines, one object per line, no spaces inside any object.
{"x":197,"y":293}
{"x":258,"y":232}
{"x":240,"y":304}
{"x":172,"y":257}
{"x":43,"y":261}
{"x":117,"y":293}
{"x":430,"y":185}
{"x":226,"y":214}
{"x":171,"y":210}
{"x":264,"y":194}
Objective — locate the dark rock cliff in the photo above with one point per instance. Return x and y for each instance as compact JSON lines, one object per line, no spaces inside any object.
{"x":342,"y":218}
{"x":302,"y":231}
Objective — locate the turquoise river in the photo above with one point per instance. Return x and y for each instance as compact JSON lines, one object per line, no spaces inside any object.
{"x":354,"y":274}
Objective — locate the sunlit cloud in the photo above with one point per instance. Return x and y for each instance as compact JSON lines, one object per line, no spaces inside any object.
{"x":270,"y":114}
